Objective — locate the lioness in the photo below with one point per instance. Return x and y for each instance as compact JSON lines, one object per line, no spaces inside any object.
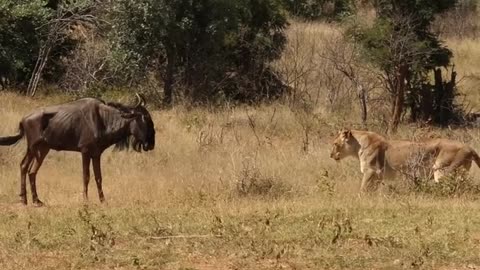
{"x":381,"y":158}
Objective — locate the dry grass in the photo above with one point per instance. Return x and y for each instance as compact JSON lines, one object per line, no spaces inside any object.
{"x":240,"y":188}
{"x":305,"y":213}
{"x":466,"y":58}
{"x":314,"y":79}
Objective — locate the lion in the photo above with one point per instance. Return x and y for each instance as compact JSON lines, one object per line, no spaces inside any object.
{"x":381,"y":158}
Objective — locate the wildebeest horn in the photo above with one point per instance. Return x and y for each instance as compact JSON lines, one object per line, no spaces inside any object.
{"x":141,"y":100}
{"x":144,"y":101}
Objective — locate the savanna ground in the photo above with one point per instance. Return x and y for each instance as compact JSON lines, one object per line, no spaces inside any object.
{"x":237,"y":188}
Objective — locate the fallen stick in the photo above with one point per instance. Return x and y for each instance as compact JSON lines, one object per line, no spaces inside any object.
{"x":183,"y":236}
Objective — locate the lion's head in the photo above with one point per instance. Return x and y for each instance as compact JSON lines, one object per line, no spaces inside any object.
{"x":344,"y":145}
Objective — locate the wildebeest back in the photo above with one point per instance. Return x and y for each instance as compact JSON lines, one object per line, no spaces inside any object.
{"x":72,"y":126}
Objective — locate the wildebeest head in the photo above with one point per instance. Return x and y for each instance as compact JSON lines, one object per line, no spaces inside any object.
{"x":142,"y":130}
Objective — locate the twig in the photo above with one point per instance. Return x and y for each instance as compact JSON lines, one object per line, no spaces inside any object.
{"x":251,"y":122}
{"x":183,"y":236}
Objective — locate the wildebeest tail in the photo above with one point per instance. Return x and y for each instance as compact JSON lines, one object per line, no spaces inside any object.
{"x":11,"y":140}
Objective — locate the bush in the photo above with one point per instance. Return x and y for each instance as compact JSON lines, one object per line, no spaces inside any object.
{"x":251,"y":182}
{"x":459,"y":184}
{"x":20,"y":37}
{"x":460,"y":22}
{"x":318,"y":9}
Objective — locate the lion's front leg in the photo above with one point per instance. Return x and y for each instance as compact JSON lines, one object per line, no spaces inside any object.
{"x":368,"y":181}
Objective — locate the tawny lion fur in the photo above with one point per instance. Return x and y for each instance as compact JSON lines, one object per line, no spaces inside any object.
{"x":381,"y":158}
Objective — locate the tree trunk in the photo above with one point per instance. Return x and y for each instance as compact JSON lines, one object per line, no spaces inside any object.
{"x":439,"y":95}
{"x":362,"y":96}
{"x":399,"y":98}
{"x":444,"y":98}
{"x":37,"y":72}
{"x":54,"y":31}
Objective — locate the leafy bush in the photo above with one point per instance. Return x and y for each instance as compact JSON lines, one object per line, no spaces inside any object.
{"x":20,"y":36}
{"x":401,"y":44}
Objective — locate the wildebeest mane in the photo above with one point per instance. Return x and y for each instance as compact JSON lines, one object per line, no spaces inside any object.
{"x":126,"y":142}
{"x":119,"y":106}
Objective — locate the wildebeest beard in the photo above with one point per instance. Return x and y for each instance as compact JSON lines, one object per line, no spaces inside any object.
{"x":129,"y":142}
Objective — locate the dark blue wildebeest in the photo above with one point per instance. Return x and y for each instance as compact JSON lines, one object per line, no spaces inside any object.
{"x":88,"y":126}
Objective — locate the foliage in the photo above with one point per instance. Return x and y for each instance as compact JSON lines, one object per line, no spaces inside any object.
{"x":21,"y":32}
{"x":318,"y":9}
{"x":200,"y":44}
{"x":401,"y":44}
{"x":36,"y":36}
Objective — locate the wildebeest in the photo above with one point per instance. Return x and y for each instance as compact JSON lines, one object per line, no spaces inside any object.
{"x":88,"y":126}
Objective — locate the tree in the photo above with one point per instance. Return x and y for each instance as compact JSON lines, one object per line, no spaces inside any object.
{"x":31,"y":31}
{"x":402,"y":45}
{"x":20,"y":36}
{"x":66,"y":14}
{"x":208,"y":45}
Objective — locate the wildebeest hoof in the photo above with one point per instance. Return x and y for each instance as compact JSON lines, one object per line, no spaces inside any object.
{"x":38,"y":203}
{"x":23,"y":200}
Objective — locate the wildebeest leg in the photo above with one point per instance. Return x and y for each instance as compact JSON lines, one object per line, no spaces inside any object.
{"x":98,"y":177}
{"x":39,"y":156}
{"x":24,"y":166}
{"x":86,"y":174}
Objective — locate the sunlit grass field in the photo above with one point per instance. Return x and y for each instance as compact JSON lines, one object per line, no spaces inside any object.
{"x":234,"y":188}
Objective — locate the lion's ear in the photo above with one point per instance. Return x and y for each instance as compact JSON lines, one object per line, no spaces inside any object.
{"x":347,"y":134}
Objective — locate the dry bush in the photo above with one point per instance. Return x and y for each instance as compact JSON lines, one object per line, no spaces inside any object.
{"x":467,"y":57}
{"x":87,"y":67}
{"x":252,"y":182}
{"x":314,"y":84}
{"x":307,"y":67}
{"x":460,"y":22}
{"x":457,"y":185}
{"x":326,"y":74}
{"x":417,"y":177}
{"x":360,"y":82}
{"x":298,"y":64}
{"x":417,"y":171}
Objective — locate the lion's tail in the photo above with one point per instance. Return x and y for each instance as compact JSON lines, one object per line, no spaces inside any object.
{"x":476,"y":158}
